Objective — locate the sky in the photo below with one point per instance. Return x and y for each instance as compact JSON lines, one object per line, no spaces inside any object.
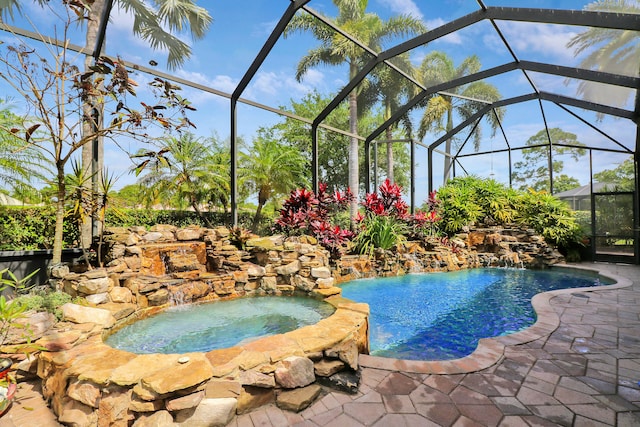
{"x":240,"y":29}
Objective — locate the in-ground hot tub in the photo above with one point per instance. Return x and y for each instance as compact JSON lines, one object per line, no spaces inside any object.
{"x":218,"y":325}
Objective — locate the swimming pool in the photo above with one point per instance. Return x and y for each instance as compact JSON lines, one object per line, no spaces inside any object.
{"x":441,"y":316}
{"x":216,"y":325}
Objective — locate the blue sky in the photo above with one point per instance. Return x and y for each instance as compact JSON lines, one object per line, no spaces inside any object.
{"x":240,"y":29}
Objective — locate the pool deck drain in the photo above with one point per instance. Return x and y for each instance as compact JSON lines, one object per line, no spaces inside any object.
{"x":579,"y":365}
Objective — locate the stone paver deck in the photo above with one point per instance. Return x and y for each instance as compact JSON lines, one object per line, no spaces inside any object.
{"x":579,"y":365}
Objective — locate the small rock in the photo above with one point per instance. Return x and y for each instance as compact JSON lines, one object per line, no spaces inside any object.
{"x":298,"y":399}
{"x":157,"y":419}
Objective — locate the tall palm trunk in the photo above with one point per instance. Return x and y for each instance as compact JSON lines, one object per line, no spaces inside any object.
{"x":389,"y":135}
{"x":91,"y":111}
{"x":354,"y":161}
{"x":447,"y":147}
{"x":263,"y":196}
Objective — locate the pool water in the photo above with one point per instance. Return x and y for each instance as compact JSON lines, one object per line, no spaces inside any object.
{"x":222,"y":324}
{"x":441,"y":316}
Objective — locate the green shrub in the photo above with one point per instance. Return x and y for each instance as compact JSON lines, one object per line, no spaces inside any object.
{"x":379,"y":231}
{"x":458,"y":205}
{"x":46,"y":301}
{"x":467,"y":200}
{"x":32,"y":228}
{"x":550,"y":217}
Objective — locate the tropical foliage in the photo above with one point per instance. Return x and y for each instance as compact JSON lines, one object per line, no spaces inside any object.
{"x":621,"y":178}
{"x":472,"y":200}
{"x":333,"y":159}
{"x":158,"y":22}
{"x":184,"y":172}
{"x":53,"y":86}
{"x":387,"y":223}
{"x":20,"y":166}
{"x":270,"y":168}
{"x":335,"y":49}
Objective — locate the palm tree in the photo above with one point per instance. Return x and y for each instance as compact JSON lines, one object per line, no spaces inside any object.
{"x":182,"y":172}
{"x":155,"y":22}
{"x":336,"y":50}
{"x":393,"y":89}
{"x":270,"y":168}
{"x":437,"y":68}
{"x":615,"y":51}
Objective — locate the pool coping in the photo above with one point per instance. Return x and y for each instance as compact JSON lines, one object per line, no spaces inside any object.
{"x":491,"y":350}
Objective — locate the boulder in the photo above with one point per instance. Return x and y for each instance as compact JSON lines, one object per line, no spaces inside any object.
{"x":269,"y":283}
{"x":254,"y":397}
{"x":256,"y":270}
{"x":189,"y":233}
{"x":257,"y":379}
{"x":84,"y":392}
{"x":80,"y":314}
{"x":321,"y":272}
{"x":77,"y":414}
{"x":209,"y":413}
{"x":288,"y":269}
{"x":121,"y":295}
{"x":98,"y":298}
{"x":179,"y":376}
{"x":222,"y":388}
{"x":294,"y":372}
{"x":32,"y":327}
{"x":94,"y":286}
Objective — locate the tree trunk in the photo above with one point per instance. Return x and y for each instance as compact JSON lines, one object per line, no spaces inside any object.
{"x":389,"y":135}
{"x":447,"y":149}
{"x":196,"y":207}
{"x":354,"y":163}
{"x":92,"y":158}
{"x":256,"y":217}
{"x":59,"y":228}
{"x":263,"y":196}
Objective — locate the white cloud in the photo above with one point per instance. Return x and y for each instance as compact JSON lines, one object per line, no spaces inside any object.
{"x":219,"y":82}
{"x":264,"y":29}
{"x":547,"y":40}
{"x":314,"y":77}
{"x":453,"y":38}
{"x":277,"y":84}
{"x":403,"y":7}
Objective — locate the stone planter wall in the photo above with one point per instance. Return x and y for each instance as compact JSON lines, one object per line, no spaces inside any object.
{"x":89,"y":383}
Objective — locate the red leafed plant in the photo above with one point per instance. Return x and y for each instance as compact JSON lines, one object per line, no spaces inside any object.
{"x":307,"y":213}
{"x":387,"y":221}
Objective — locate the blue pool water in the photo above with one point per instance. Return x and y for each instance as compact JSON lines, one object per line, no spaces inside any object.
{"x":215,"y":325}
{"x":440,"y":316}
